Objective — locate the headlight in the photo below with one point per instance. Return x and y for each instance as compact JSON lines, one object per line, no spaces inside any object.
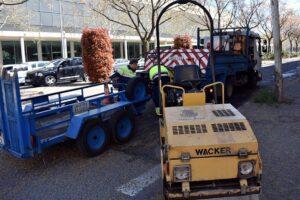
{"x":246,"y":168}
{"x":182,"y":173}
{"x":39,"y":74}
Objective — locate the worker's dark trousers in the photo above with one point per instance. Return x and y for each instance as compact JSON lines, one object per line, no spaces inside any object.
{"x":155,"y":89}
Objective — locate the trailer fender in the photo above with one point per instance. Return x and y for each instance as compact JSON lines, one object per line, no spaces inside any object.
{"x":78,"y":121}
{"x":75,"y":126}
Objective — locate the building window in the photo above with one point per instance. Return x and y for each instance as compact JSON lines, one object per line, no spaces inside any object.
{"x":45,"y":6}
{"x":56,"y":50}
{"x":69,"y":49}
{"x":116,"y":49}
{"x":152,"y":46}
{"x":51,"y":50}
{"x":31,"y":51}
{"x":46,"y":19}
{"x":33,"y":5}
{"x":11,"y":51}
{"x":133,"y":50}
{"x":77,"y":49}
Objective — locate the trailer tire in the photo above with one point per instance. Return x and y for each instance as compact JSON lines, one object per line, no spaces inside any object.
{"x":123,"y":126}
{"x":136,"y":89}
{"x":94,"y":138}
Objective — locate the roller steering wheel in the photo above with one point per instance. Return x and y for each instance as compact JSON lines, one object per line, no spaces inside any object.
{"x":192,"y":83}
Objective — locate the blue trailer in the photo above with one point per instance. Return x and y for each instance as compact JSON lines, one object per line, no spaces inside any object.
{"x":28,"y":126}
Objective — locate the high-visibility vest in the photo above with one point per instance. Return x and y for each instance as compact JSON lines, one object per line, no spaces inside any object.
{"x":153,"y":72}
{"x":126,"y":71}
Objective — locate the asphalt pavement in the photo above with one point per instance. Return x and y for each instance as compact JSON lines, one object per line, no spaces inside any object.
{"x":130,"y":171}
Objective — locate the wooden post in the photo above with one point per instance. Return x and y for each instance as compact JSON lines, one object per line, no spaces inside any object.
{"x":277,"y":50}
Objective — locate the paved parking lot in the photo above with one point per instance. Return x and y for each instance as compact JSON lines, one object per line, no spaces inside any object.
{"x":132,"y":171}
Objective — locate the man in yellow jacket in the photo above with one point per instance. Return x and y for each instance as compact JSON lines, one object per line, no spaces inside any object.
{"x":129,"y":70}
{"x":123,"y":74}
{"x":165,"y":79}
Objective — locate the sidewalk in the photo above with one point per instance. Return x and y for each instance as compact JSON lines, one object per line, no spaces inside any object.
{"x":277,"y":128}
{"x":268,"y":63}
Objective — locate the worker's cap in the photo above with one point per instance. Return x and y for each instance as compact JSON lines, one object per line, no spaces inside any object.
{"x":133,"y":61}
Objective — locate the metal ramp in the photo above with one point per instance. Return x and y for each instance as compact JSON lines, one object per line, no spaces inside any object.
{"x":15,"y":135}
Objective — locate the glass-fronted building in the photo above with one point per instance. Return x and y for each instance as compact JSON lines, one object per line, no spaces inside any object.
{"x":42,"y":38}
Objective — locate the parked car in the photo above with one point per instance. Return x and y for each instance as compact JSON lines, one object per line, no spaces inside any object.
{"x":120,"y":62}
{"x":141,"y":63}
{"x":20,"y":69}
{"x":61,"y":70}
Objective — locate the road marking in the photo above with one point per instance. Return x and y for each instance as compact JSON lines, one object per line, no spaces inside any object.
{"x":248,"y":197}
{"x":136,"y":185}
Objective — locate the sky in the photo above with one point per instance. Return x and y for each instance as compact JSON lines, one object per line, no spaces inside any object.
{"x":293,"y":4}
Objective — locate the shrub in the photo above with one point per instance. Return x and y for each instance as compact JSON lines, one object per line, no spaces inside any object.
{"x":184,"y":41}
{"x":97,"y":54}
{"x":265,"y":96}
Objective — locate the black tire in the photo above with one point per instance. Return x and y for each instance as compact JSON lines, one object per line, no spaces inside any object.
{"x":74,"y":81}
{"x":123,"y":126}
{"x":36,"y":85}
{"x":89,"y":141}
{"x":85,"y":77}
{"x":136,"y":89}
{"x":252,"y":80}
{"x":50,"y":80}
{"x":229,"y":88}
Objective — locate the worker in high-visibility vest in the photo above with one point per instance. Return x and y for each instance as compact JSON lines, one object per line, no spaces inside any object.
{"x":129,"y":70}
{"x":123,"y":74}
{"x":165,"y":78}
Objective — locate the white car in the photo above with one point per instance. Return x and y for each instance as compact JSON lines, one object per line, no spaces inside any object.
{"x":19,"y":68}
{"x":141,"y":63}
{"x":120,"y":62}
{"x":22,"y":69}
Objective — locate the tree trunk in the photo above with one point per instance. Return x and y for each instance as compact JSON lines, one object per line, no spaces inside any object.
{"x":145,"y":47}
{"x":291,"y":45}
{"x":269,"y":45}
{"x":277,"y":50}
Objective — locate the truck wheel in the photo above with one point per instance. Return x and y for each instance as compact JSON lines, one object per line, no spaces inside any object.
{"x":136,"y":89}
{"x":252,"y":80}
{"x":229,"y":87}
{"x":93,"y":139}
{"x":50,"y":80}
{"x":123,"y":127}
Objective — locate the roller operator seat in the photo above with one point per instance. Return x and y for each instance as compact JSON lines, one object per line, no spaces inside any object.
{"x":187,"y":76}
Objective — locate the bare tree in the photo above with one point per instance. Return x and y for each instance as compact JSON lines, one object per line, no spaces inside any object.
{"x":16,"y":16}
{"x":265,"y":22}
{"x":12,"y":13}
{"x":296,"y":36}
{"x":223,"y":13}
{"x":246,"y":16}
{"x":139,"y":16}
{"x":12,"y":2}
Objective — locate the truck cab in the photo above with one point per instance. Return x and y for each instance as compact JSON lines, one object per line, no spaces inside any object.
{"x":237,"y":56}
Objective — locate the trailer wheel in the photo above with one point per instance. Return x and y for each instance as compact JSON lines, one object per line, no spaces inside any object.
{"x":229,"y":87}
{"x":136,"y":89}
{"x":93,"y":139}
{"x":123,"y":127}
